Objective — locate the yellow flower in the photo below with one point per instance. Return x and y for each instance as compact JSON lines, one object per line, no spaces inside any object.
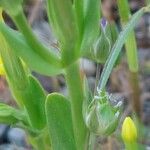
{"x":129,"y":131}
{"x":1,"y":17}
{"x":2,"y":71}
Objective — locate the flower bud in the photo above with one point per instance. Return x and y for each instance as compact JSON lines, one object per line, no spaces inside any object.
{"x":102,"y":117}
{"x":102,"y":45}
{"x":129,"y":131}
{"x":112,"y":32}
{"x":11,"y":6}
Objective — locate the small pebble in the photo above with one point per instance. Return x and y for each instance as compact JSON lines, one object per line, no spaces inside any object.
{"x":17,"y":136}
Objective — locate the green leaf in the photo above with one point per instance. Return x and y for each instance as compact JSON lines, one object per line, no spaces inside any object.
{"x":11,"y":7}
{"x":92,"y":17}
{"x":59,"y":122}
{"x":118,"y":46}
{"x":33,"y":98}
{"x":63,"y":20}
{"x":19,"y":45}
{"x":10,"y":115}
{"x":78,"y":4}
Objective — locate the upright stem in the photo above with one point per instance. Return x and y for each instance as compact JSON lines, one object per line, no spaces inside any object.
{"x":147,"y":2}
{"x":75,"y":87}
{"x":92,"y":141}
{"x":135,"y":92}
{"x":132,"y":57}
{"x":131,"y":146}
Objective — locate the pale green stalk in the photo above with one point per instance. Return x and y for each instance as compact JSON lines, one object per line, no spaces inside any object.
{"x":131,"y":146}
{"x":75,"y":87}
{"x":147,"y":2}
{"x":132,"y":56}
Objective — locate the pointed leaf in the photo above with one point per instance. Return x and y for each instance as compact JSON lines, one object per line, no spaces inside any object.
{"x":118,"y":46}
{"x":33,"y":98}
{"x":91,"y":24}
{"x":10,"y":115}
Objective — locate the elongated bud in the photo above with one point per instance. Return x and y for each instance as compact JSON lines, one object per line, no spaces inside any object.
{"x":11,"y":6}
{"x":129,"y":131}
{"x":102,"y":117}
{"x":102,"y":45}
{"x":111,"y":32}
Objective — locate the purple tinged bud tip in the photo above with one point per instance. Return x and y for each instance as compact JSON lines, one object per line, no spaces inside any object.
{"x":103,"y":23}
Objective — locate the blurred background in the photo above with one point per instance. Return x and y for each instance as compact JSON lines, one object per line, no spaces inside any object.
{"x":15,"y":138}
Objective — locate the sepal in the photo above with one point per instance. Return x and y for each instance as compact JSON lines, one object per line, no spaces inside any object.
{"x":102,"y":117}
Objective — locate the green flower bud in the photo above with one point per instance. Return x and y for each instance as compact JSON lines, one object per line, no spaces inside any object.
{"x":106,"y":41}
{"x":102,"y":117}
{"x":112,"y":32}
{"x":11,"y":6}
{"x":102,"y":46}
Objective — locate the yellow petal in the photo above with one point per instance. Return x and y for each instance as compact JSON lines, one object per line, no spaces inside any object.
{"x":129,"y":131}
{"x":2,"y":70}
{"x":1,"y":17}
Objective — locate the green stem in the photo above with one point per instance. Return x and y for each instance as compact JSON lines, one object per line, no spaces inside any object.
{"x":131,"y":146}
{"x":132,"y":57}
{"x":134,"y":83}
{"x":92,"y":141}
{"x":21,"y":23}
{"x":147,"y":2}
{"x":75,"y":88}
{"x":40,"y":142}
{"x":130,"y":44}
{"x":40,"y":145}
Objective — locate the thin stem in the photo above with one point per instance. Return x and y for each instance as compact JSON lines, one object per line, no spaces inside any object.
{"x":130,"y":44}
{"x":135,"y":92}
{"x":40,"y":142}
{"x":40,"y":145}
{"x":23,"y":26}
{"x":75,"y":88}
{"x":147,"y":2}
{"x":92,"y":141}
{"x":98,"y":72}
{"x":132,"y":57}
{"x":131,"y":146}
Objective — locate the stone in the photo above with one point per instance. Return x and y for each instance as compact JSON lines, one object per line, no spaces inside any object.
{"x":17,"y":136}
